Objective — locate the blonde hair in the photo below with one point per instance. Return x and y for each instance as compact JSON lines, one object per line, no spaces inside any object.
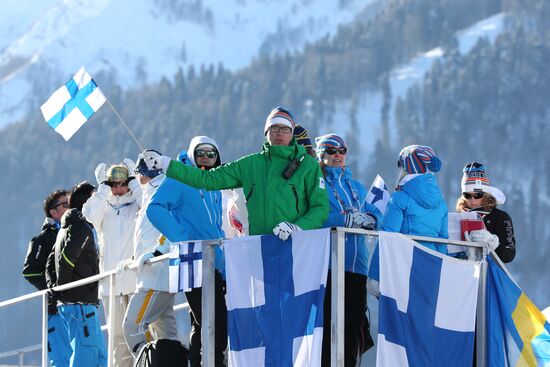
{"x":488,"y":203}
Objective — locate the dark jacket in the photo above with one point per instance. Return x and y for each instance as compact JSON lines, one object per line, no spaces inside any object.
{"x":40,"y":247}
{"x":499,"y":222}
{"x":76,"y":257}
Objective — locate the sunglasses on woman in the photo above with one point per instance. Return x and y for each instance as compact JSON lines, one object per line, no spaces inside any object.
{"x":209,"y":153}
{"x":475,"y":195}
{"x":117,"y":183}
{"x":333,"y":150}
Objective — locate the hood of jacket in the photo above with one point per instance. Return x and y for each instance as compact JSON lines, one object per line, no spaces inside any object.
{"x":50,"y":223}
{"x":71,"y":217}
{"x":424,"y":190}
{"x":187,"y":157}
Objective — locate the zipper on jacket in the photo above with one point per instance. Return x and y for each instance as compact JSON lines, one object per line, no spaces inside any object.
{"x":206,"y":206}
{"x":293,"y":187}
{"x":250,"y":193}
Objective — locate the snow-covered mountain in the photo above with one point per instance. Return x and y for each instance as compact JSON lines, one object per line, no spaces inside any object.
{"x":143,"y":41}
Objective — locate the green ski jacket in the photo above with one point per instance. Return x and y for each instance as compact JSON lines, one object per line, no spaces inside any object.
{"x":270,"y":198}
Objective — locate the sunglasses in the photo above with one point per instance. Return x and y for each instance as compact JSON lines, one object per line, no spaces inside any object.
{"x":117,"y":184}
{"x":64,"y":204}
{"x":475,"y":195}
{"x":332,"y":150}
{"x":279,"y":129}
{"x":209,"y":153}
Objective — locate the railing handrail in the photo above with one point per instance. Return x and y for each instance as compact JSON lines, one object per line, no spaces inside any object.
{"x":106,"y":274}
{"x":156,"y":259}
{"x":32,"y":348}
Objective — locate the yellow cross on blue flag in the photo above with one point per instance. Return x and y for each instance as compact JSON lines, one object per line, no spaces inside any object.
{"x":518,"y":333}
{"x":73,"y":104}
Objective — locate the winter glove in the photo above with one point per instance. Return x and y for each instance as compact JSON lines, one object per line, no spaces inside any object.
{"x":130,"y":165}
{"x":154,"y":160}
{"x":101,"y":173}
{"x":365,"y":221}
{"x":121,"y":267}
{"x":485,"y":237}
{"x":373,"y":287}
{"x":348,"y":220}
{"x":104,"y":190}
{"x":284,"y":230}
{"x":143,"y":259}
{"x":133,"y":185}
{"x":359,"y":220}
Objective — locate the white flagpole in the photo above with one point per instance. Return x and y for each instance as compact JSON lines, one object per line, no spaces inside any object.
{"x":125,"y":125}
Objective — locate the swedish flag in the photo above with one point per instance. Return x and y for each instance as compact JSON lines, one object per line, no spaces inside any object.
{"x":518,"y":333}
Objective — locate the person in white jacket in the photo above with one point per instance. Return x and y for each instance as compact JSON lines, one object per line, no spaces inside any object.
{"x":112,"y":210}
{"x":157,"y":320}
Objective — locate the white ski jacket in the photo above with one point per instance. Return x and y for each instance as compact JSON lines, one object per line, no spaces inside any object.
{"x":146,"y":237}
{"x":114,"y":219}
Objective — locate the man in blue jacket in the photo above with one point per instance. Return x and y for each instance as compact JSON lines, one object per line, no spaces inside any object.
{"x":183,"y":213}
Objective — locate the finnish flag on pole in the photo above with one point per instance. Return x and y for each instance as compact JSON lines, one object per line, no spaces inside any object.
{"x":73,"y":104}
{"x":378,"y":194}
{"x":427,"y":306}
{"x":275,"y":293}
{"x":185,"y":270}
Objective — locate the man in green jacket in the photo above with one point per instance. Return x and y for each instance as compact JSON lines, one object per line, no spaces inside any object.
{"x":284,"y":187}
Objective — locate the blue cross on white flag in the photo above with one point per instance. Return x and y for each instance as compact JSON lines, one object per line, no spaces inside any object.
{"x":427,"y":306}
{"x":73,"y":104}
{"x":185,"y":266}
{"x":378,"y":194}
{"x":275,"y":293}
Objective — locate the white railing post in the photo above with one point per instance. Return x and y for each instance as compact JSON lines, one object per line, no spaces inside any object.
{"x":337,"y":301}
{"x":208,"y":304}
{"x":481,"y":315}
{"x":21,"y":356}
{"x":111,"y":321}
{"x":45,"y":360}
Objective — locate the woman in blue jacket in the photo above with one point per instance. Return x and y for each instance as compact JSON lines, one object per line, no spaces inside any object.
{"x":348,"y":208}
{"x":183,"y":213}
{"x":417,"y":206}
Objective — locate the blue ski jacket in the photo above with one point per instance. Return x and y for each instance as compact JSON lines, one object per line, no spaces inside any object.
{"x":346,"y":195}
{"x":417,"y":209}
{"x":183,"y":213}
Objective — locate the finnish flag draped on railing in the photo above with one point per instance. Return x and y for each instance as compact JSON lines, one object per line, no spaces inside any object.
{"x":275,"y":292}
{"x":427,"y":306}
{"x":378,"y":194}
{"x":185,"y":270}
{"x":73,"y":104}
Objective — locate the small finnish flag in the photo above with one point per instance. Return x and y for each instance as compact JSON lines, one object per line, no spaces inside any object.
{"x":378,"y":194}
{"x":73,"y":104}
{"x":185,"y":266}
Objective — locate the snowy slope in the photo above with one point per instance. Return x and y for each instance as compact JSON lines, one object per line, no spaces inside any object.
{"x":143,"y":41}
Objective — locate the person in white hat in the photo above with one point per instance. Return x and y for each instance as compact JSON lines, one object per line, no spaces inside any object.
{"x":480,"y":197}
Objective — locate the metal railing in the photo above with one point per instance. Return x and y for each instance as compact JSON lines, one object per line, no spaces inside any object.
{"x":337,"y":297}
{"x":208,"y":299}
{"x":44,"y":294}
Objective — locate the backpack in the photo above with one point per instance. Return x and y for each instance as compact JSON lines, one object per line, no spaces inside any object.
{"x":162,"y":353}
